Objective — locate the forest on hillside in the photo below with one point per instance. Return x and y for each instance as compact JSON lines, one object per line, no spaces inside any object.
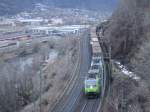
{"x":128,"y":32}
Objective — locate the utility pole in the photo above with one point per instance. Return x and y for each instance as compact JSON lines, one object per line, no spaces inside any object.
{"x":123,"y":107}
{"x":40,"y":85}
{"x":40,"y":88}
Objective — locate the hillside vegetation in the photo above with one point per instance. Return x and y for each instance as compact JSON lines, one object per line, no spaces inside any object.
{"x":129,"y":33}
{"x":30,"y":79}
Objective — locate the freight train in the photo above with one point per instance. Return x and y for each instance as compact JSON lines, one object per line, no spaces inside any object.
{"x":92,"y":82}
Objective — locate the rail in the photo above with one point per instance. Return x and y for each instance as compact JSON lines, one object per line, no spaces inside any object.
{"x":70,"y":83}
{"x":107,"y":66}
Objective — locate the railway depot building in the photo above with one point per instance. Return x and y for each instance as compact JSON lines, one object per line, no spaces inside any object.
{"x":56,"y":30}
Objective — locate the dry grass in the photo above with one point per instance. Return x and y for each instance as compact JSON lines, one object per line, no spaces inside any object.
{"x":55,"y":75}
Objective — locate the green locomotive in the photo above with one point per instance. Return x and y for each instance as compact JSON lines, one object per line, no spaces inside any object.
{"x":92,"y":85}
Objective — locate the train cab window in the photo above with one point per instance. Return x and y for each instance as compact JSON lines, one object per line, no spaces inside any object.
{"x":96,"y":60}
{"x":97,"y":54}
{"x":90,"y":75}
{"x":89,"y":83}
{"x":95,"y":67}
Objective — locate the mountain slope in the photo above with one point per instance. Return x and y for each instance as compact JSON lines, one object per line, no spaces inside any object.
{"x":129,"y":27}
{"x":15,"y":6}
{"x":84,"y":4}
{"x":129,"y":33}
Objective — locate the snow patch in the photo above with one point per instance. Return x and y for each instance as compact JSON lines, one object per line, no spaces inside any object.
{"x":127,"y":72}
{"x":26,"y":62}
{"x":52,"y":56}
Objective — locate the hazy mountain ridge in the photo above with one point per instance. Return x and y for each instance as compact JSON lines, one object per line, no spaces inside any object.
{"x":15,"y":6}
{"x":86,"y":4}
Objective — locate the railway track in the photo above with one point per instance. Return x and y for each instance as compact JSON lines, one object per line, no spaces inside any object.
{"x":87,"y":105}
{"x":96,"y":105}
{"x":70,"y":100}
{"x":91,"y":105}
{"x":69,"y":85}
{"x":74,"y":100}
{"x":107,"y":60}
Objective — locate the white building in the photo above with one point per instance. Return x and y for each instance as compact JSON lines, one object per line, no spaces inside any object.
{"x":56,"y":21}
{"x":33,"y":22}
{"x":52,"y":30}
{"x":7,"y":22}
